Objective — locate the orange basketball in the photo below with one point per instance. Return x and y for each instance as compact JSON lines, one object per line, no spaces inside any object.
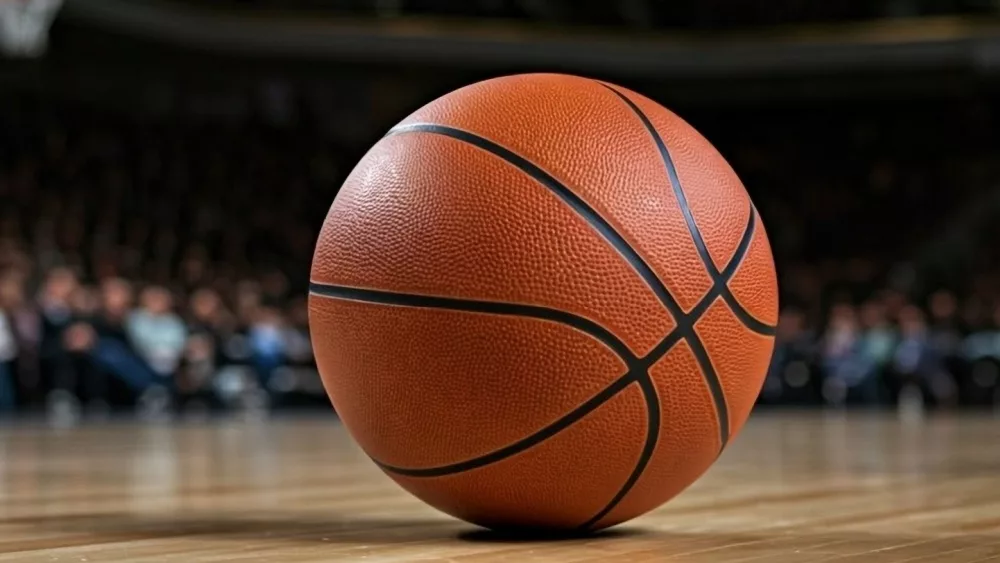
{"x":543,"y":300}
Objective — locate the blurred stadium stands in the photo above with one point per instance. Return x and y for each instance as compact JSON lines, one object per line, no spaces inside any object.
{"x":161,"y":193}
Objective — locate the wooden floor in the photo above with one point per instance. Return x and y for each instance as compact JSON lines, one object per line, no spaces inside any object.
{"x":802,"y":488}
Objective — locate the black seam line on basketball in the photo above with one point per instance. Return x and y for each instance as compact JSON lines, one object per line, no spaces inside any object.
{"x":566,"y":421}
{"x":574,"y":201}
{"x":582,"y":324}
{"x":741,"y":313}
{"x":730,"y":270}
{"x":652,"y":436}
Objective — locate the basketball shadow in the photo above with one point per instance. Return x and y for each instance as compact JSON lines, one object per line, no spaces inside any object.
{"x":480,"y":535}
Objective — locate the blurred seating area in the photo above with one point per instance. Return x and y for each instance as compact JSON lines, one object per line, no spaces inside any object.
{"x":160,"y":263}
{"x":156,"y":264}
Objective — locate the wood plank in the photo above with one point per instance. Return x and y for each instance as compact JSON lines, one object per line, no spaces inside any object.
{"x":794,"y":488}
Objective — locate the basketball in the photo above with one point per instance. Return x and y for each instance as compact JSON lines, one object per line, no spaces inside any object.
{"x":489,"y":281}
{"x":543,"y":301}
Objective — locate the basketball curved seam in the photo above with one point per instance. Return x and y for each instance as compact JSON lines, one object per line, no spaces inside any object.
{"x":653,"y":414}
{"x":589,"y":406}
{"x":582,"y":324}
{"x":718,"y":279}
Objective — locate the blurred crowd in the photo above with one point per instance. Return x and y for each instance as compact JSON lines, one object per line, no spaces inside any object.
{"x":161,"y":264}
{"x":889,"y":350}
{"x":74,"y":347}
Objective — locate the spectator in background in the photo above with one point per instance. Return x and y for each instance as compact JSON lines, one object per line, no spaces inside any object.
{"x":946,"y":332}
{"x":192,"y":384}
{"x":112,"y":351}
{"x":78,"y":340}
{"x":58,"y":359}
{"x":878,"y":341}
{"x":204,"y":352}
{"x":208,"y":316}
{"x":980,"y":355}
{"x":793,"y":354}
{"x":159,"y":337}
{"x":158,"y":334}
{"x":267,"y":343}
{"x":116,"y":302}
{"x":8,"y":354}
{"x":841,"y":353}
{"x":56,"y":309}
{"x":26,"y":327}
{"x":856,"y":354}
{"x":917,"y":362}
{"x":982,"y":340}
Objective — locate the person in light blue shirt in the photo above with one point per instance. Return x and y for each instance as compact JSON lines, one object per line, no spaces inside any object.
{"x":875,"y":351}
{"x":267,"y":343}
{"x":157,"y":333}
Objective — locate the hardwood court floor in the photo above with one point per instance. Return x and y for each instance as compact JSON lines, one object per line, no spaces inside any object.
{"x":802,"y":488}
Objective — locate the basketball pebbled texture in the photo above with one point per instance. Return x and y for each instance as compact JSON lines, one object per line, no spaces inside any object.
{"x":543,"y":300}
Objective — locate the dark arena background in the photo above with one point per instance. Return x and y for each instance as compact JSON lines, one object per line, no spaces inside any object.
{"x":165,"y":167}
